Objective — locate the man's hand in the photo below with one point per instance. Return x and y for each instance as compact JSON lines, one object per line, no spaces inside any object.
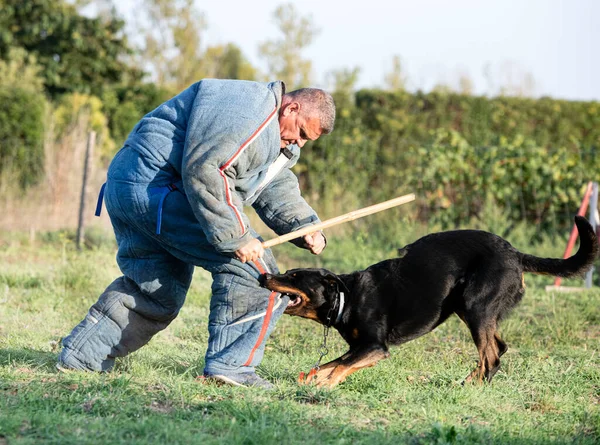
{"x":250,"y":252}
{"x":315,"y":242}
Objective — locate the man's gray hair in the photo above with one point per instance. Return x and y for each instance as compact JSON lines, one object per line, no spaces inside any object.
{"x":318,"y":103}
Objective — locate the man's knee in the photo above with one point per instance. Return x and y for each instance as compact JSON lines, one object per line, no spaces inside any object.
{"x":160,"y":301}
{"x":122,"y":320}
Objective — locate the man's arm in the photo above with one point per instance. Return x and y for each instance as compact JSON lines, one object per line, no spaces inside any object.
{"x":283,"y":209}
{"x":212,"y":196}
{"x":227,"y":116}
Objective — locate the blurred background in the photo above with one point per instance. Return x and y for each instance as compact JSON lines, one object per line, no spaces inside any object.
{"x":487,"y":111}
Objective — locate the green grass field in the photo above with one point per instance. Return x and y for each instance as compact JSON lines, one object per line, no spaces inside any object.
{"x":547,"y":391}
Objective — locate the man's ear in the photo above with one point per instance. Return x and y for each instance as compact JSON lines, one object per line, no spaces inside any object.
{"x":292,"y":107}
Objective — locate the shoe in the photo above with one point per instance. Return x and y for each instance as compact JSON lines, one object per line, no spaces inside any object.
{"x":246,"y":380}
{"x":61,"y":368}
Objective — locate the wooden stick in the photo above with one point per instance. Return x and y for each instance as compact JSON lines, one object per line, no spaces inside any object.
{"x":340,"y":219}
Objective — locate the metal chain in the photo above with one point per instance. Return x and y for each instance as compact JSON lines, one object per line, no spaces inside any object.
{"x":323,"y":351}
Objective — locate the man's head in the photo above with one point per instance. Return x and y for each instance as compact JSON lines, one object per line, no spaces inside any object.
{"x":305,"y":114}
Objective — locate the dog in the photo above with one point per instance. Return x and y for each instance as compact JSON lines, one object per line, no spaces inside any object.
{"x":475,"y":274}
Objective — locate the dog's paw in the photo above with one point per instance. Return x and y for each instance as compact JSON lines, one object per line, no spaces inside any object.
{"x":320,"y":377}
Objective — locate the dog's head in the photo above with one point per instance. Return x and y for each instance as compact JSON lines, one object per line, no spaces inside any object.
{"x":312,"y":292}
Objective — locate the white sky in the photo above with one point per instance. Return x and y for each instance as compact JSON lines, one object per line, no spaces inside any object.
{"x":556,"y":41}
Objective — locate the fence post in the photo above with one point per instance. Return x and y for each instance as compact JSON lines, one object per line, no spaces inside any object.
{"x":595,"y":223}
{"x":89,"y":150}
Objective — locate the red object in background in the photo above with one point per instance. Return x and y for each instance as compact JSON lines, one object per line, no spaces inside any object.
{"x":573,"y":237}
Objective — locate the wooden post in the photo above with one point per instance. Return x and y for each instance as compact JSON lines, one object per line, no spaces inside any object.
{"x":595,"y":223}
{"x":89,"y":150}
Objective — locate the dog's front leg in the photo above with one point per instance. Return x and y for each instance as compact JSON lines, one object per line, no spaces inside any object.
{"x":340,"y":369}
{"x":323,"y":371}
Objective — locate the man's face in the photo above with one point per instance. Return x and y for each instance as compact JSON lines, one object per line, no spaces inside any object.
{"x":294,"y":128}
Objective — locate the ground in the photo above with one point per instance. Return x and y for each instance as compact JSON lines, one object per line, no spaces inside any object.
{"x":547,"y":391}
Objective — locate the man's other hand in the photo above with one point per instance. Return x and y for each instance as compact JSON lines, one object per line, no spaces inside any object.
{"x":250,"y":252}
{"x":315,"y":242}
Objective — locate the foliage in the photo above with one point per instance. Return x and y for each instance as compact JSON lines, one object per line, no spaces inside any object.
{"x":124,"y":106}
{"x":533,"y":183}
{"x":22,"y":119}
{"x":344,"y":84}
{"x":77,"y":53}
{"x":284,"y":55}
{"x":458,"y":154}
{"x":403,"y":118}
{"x":396,"y":79}
{"x":228,"y":62}
{"x":172,"y":50}
{"x":71,"y":109}
{"x":21,"y":70}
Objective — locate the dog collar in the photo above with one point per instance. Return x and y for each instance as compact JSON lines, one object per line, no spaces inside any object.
{"x":340,"y":309}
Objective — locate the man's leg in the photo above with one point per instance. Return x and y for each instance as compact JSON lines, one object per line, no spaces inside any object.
{"x":242,"y":316}
{"x":242,"y":313}
{"x":133,"y":308}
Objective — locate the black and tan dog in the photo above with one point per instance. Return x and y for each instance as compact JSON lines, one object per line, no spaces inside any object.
{"x":474,"y":274}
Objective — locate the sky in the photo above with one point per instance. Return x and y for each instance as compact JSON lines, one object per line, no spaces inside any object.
{"x":495,"y":42}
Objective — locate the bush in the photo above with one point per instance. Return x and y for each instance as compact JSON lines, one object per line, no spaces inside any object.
{"x":22,"y":134}
{"x":124,"y":106}
{"x":458,"y":154}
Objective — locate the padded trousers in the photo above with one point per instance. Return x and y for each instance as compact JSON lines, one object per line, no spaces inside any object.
{"x":157,"y":272}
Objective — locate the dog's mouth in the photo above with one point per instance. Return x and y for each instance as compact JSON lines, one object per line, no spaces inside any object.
{"x":284,"y":289}
{"x":299,"y":304}
{"x":295,"y":300}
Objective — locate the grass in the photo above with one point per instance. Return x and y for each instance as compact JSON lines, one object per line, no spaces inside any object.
{"x":547,"y":391}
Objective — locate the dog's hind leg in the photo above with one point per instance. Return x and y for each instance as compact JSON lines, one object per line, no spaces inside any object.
{"x":490,"y":348}
{"x":502,"y":348}
{"x":488,"y":295}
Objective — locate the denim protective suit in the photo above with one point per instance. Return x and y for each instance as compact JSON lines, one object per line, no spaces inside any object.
{"x":175,"y":194}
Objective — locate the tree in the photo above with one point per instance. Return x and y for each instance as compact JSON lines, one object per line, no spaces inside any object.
{"x":172,"y":50}
{"x":21,"y":70}
{"x":395,"y":80}
{"x":124,"y":106}
{"x":515,"y":81}
{"x":228,"y":62}
{"x":22,"y":113}
{"x":77,"y":53}
{"x":344,"y":83}
{"x":465,"y":84}
{"x":22,"y":118}
{"x":284,"y":55}
{"x":510,"y":79}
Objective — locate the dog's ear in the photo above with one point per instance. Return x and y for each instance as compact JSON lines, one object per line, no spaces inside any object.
{"x":333,"y":281}
{"x":336,"y":284}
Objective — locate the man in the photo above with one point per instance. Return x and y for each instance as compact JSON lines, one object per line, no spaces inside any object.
{"x":175,"y":193}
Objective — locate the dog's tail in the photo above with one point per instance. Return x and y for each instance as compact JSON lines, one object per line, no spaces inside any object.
{"x":576,"y":265}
